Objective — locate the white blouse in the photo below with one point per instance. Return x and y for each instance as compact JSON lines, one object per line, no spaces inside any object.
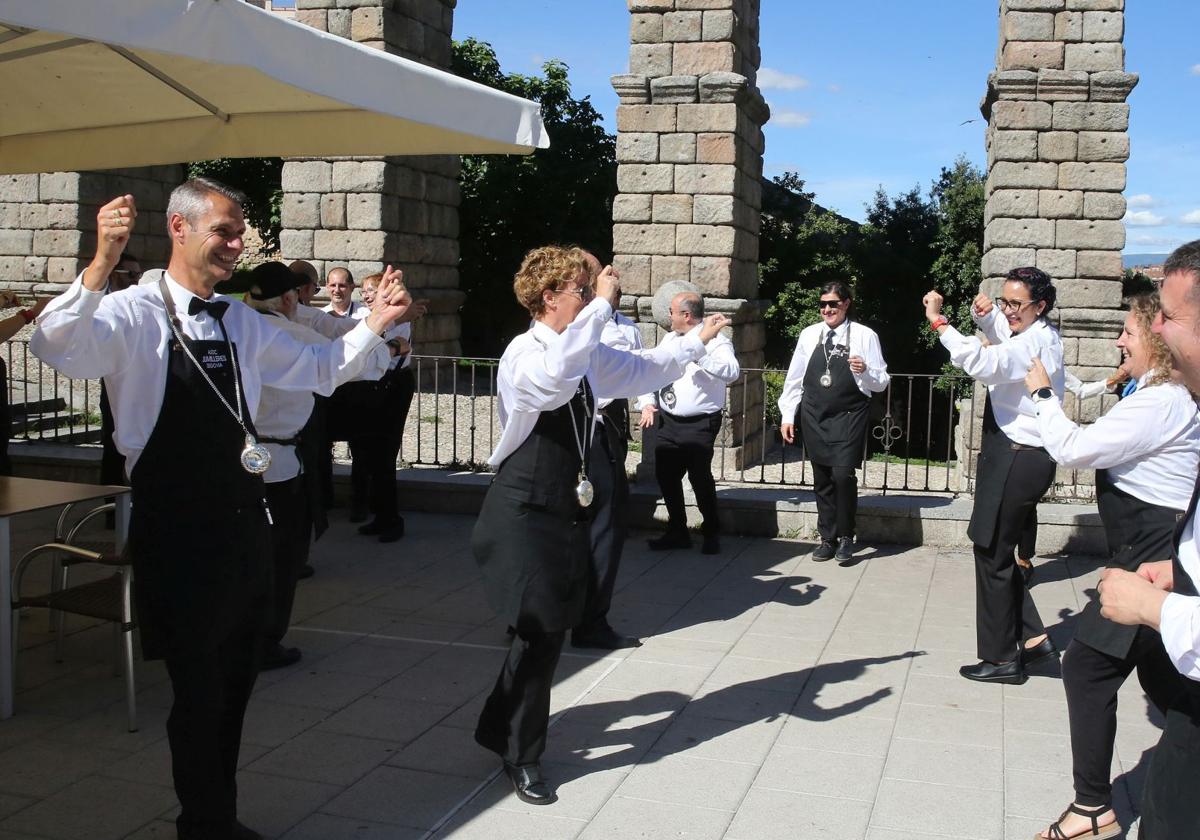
{"x":864,"y":343}
{"x":701,"y":389}
{"x":541,"y":370}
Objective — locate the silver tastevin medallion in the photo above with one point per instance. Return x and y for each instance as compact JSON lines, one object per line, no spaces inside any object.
{"x":256,"y":458}
{"x":584,"y":491}
{"x":826,"y":379}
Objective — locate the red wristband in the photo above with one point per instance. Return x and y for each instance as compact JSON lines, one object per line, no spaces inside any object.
{"x":940,"y":321}
{"x":27,"y":315}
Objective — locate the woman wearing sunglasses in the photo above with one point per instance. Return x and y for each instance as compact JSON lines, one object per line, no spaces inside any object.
{"x":1014,"y":469}
{"x":836,"y":367}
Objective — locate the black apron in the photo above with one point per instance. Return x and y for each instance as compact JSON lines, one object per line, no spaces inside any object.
{"x":198,"y":534}
{"x":833,"y":420}
{"x":1137,"y":532}
{"x":532,"y":538}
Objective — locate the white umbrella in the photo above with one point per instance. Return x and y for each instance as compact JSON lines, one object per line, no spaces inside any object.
{"x":103,"y":84}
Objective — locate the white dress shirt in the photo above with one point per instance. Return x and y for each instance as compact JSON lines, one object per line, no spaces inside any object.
{"x":395,"y":331}
{"x":124,"y":337}
{"x":994,"y":327}
{"x":864,"y":343}
{"x":1149,"y":442}
{"x":541,"y":370}
{"x":701,"y":389}
{"x":1002,"y":368}
{"x":355,"y":307}
{"x":322,"y":322}
{"x":620,"y":333}
{"x":1179,"y":620}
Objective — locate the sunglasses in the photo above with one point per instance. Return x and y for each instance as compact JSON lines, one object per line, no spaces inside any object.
{"x":830,"y":304}
{"x":131,"y":273}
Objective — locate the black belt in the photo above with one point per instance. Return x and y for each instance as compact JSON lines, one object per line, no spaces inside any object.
{"x":1022,"y":447}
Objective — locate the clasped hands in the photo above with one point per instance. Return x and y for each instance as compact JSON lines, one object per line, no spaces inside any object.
{"x":1136,"y":597}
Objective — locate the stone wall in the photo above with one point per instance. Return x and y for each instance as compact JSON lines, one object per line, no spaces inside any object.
{"x":1057,"y":142}
{"x":48,"y":222}
{"x":365,"y":213}
{"x":689,"y":154}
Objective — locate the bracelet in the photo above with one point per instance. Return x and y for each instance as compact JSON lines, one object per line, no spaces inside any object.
{"x":940,"y":321}
{"x":27,"y":315}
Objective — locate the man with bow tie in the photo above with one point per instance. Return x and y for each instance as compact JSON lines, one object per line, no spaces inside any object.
{"x":1164,"y":595}
{"x":184,"y":369}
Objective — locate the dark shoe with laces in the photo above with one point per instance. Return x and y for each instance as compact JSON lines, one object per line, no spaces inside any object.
{"x":1011,"y":673}
{"x":845,"y":549}
{"x":670,"y":540}
{"x":824,"y":551}
{"x":529,"y":785}
{"x":1042,"y":650}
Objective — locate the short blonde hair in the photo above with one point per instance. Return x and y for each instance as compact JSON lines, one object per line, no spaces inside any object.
{"x":547,"y":268}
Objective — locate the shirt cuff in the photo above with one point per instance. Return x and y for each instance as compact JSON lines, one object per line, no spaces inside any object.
{"x":362,"y":337}
{"x":1175,"y":621}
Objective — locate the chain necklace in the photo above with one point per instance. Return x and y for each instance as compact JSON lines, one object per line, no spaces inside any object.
{"x":584,"y":491}
{"x":255,"y":458}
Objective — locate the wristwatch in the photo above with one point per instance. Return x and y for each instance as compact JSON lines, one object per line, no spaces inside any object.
{"x":1041,"y":394}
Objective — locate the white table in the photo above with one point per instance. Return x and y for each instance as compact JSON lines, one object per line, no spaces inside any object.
{"x":26,"y":495}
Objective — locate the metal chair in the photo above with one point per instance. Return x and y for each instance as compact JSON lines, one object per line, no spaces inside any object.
{"x":108,"y":598}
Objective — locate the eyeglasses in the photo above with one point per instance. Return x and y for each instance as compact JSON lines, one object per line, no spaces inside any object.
{"x":132,"y":273}
{"x":584,"y":293}
{"x":830,"y":304}
{"x":1012,"y":305}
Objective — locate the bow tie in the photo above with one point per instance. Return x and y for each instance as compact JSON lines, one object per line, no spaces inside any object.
{"x":215,"y":308}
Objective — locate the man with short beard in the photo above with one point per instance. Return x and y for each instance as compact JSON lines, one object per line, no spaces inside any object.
{"x":1163,"y":595}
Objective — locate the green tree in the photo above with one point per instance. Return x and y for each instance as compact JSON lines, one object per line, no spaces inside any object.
{"x":259,"y":179}
{"x":958,"y":197}
{"x":801,"y":247}
{"x":512,"y":203}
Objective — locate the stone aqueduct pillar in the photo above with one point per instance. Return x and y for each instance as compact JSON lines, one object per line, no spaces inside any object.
{"x":363,"y":213}
{"x":689,"y":154}
{"x":1057,"y":144}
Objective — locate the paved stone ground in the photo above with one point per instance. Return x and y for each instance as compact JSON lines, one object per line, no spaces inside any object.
{"x":775,"y":697}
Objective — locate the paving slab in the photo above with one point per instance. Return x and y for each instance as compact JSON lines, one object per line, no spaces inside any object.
{"x":774,"y":697}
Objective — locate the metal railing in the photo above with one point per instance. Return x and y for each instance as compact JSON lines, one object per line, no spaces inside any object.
{"x":918,"y":430}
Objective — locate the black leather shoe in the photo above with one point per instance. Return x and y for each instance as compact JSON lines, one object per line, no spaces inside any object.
{"x":711,"y":545}
{"x":1005,"y":672}
{"x":1042,"y":650}
{"x":279,"y":657}
{"x":389,"y":532}
{"x":824,"y":551}
{"x":604,"y":639}
{"x":241,"y":832}
{"x":845,"y":549}
{"x":306,"y":571}
{"x":529,"y":785}
{"x":670,"y":540}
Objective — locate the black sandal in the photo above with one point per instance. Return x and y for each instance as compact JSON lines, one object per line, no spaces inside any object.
{"x":1096,"y":832}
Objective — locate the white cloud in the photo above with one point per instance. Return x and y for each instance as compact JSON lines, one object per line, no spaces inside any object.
{"x":790,"y":119}
{"x":769,"y":79}
{"x":835,"y":88}
{"x":1196,"y":69}
{"x":1143,"y":218}
{"x":1141,"y":200}
{"x":1156,"y":241}
{"x":1192,"y":218}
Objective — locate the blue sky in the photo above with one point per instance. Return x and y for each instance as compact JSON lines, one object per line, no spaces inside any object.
{"x":876,"y":92}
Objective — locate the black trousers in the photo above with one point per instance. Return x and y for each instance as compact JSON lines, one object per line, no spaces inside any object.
{"x":836,"y":489}
{"x":1170,"y":807}
{"x":373,"y":473}
{"x":204,"y":730}
{"x":291,"y":537}
{"x":1091,"y":680}
{"x":1004,"y":611}
{"x":695,"y":460}
{"x":516,"y":716}
{"x":609,"y":526}
{"x":1027,"y":547}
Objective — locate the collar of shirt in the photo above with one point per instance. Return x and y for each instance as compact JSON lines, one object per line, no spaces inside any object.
{"x":183,"y":299}
{"x":839,"y":332}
